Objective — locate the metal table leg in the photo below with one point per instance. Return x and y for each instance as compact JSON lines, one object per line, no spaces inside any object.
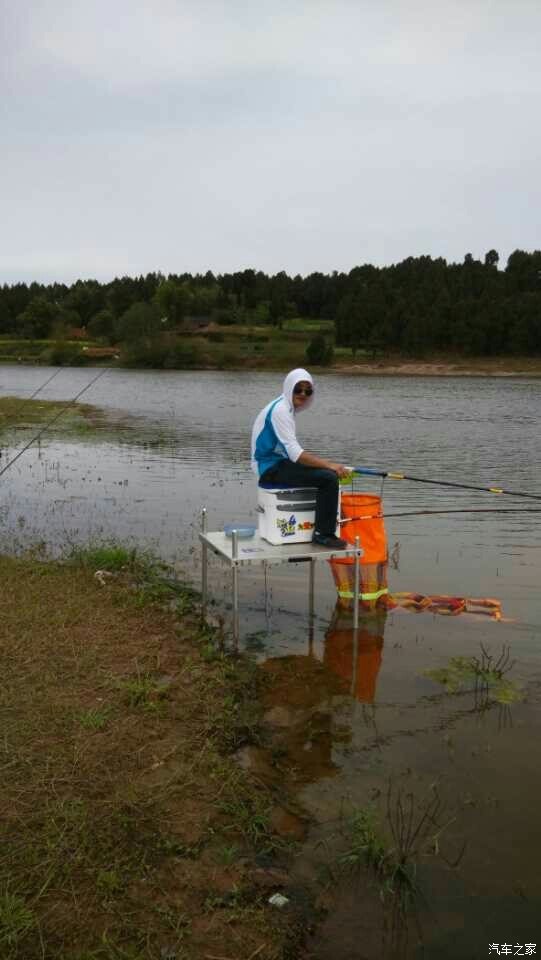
{"x":312,"y":572}
{"x":356,"y":598}
{"x":313,"y":562}
{"x":235,"y":570}
{"x":204,"y":563}
{"x":356,"y":588}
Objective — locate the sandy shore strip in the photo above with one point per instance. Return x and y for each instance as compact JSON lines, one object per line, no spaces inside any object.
{"x":417,"y":368}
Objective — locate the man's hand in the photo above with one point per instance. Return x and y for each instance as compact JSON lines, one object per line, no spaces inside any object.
{"x":340,"y":469}
{"x":310,"y":460}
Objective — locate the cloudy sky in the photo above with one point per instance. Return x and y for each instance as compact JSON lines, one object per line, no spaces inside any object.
{"x":303,"y":135}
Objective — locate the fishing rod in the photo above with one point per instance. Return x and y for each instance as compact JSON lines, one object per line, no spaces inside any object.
{"x":51,"y":421}
{"x":365,"y":471}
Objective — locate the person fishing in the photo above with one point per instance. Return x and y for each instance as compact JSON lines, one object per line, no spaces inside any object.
{"x":278,"y":458}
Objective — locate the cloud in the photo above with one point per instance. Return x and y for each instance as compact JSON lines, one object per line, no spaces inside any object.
{"x":300,"y":135}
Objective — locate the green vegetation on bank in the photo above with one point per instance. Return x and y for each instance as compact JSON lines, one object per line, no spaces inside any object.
{"x":232,"y":348}
{"x":419,"y":308}
{"x":129,"y":832}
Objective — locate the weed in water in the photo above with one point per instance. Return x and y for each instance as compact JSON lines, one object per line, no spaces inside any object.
{"x":366,"y":847}
{"x":485,"y":675}
{"x":415,"y":831}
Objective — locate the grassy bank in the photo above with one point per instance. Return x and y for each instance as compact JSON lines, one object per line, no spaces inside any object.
{"x":129,"y":830}
{"x":244,"y":347}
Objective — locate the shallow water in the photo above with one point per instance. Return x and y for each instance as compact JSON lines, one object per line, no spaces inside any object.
{"x":351,"y":721}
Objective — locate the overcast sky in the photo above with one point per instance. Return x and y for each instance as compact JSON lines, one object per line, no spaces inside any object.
{"x":187,"y":135}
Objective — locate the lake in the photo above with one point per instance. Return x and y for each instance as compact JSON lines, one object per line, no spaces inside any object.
{"x":363,"y":731}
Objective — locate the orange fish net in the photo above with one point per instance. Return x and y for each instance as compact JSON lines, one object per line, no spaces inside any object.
{"x":361,"y":517}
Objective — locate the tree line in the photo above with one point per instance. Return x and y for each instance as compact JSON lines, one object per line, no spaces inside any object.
{"x":419,"y":306}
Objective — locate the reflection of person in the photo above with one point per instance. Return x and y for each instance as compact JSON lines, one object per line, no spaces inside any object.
{"x":278,"y":458}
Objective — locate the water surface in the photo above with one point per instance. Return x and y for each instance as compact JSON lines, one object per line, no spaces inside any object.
{"x":352,"y":720}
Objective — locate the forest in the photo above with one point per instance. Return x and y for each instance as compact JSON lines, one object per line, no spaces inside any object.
{"x":418,"y":307}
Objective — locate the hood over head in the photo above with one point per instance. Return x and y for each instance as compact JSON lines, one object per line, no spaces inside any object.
{"x":292,"y":378}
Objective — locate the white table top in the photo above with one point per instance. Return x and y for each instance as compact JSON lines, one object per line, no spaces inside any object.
{"x":255,"y":550}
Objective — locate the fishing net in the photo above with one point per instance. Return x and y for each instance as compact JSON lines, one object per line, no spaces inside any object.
{"x":361,"y":517}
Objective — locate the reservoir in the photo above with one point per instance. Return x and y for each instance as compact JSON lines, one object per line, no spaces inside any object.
{"x":385,"y":732}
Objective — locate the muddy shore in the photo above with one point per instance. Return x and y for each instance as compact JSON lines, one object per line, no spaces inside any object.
{"x":497,"y":367}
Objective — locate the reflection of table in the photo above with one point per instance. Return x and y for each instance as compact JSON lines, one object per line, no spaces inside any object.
{"x":255,"y":551}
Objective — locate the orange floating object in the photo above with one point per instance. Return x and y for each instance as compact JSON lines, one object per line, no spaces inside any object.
{"x":447,"y":605}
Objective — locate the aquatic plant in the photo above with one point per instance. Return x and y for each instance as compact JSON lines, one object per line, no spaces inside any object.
{"x":486,"y":675}
{"x":393,"y":849}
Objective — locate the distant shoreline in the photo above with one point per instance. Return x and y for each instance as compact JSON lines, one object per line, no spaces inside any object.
{"x":391,"y":367}
{"x":497,"y":367}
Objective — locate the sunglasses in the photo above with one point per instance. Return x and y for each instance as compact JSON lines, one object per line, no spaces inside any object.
{"x":300,"y":391}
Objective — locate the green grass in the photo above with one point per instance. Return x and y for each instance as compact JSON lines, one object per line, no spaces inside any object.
{"x":154,"y":581}
{"x":93,"y":719}
{"x":143,"y":691}
{"x":308,"y":325}
{"x":16,"y":921}
{"x":108,"y":556}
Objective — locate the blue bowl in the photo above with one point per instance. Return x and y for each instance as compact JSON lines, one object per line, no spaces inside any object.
{"x":244,"y":530}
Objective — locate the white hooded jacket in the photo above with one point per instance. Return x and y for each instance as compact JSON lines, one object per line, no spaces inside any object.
{"x":274,"y":434}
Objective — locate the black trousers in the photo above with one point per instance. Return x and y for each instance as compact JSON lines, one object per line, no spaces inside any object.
{"x":326,"y":481}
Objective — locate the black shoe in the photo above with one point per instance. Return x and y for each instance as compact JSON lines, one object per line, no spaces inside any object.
{"x":330,"y":541}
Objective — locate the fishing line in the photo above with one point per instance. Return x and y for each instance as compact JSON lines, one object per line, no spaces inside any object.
{"x":421,"y":513}
{"x":364,"y":471}
{"x":53,"y":420}
{"x":27,"y":399}
{"x":43,"y":385}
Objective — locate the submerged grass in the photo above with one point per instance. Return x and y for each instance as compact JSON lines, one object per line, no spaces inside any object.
{"x":122,"y":808}
{"x":393,"y":846}
{"x":20,"y":417}
{"x":485,"y":675}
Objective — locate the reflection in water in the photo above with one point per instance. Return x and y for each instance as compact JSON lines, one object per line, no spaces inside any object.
{"x":355,"y":655}
{"x":308,"y":702}
{"x":300,"y":704}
